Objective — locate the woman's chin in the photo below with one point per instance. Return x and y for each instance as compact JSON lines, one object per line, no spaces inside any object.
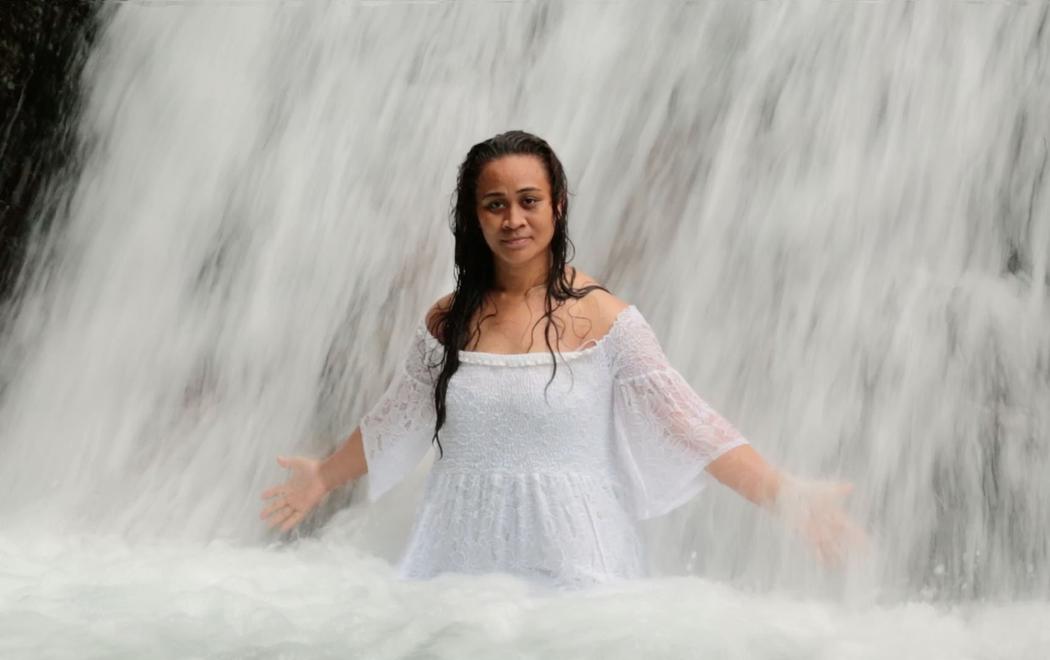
{"x":516,"y":257}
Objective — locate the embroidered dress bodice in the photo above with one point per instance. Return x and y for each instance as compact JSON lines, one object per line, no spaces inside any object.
{"x":545,"y":481}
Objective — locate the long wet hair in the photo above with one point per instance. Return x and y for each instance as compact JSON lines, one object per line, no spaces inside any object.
{"x":474,"y":265}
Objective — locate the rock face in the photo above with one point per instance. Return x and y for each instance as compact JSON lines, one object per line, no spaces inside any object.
{"x":42,"y":49}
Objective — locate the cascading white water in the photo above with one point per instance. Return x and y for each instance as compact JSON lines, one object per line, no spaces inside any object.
{"x":835,"y":214}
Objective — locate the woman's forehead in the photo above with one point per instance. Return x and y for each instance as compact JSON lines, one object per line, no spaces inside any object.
{"x":513,"y":173}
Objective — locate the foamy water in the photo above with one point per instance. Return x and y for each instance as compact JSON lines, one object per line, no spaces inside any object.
{"x":835,"y":214}
{"x":101,"y":598}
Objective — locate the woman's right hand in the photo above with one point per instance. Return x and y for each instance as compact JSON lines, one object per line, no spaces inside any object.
{"x":300,"y":494}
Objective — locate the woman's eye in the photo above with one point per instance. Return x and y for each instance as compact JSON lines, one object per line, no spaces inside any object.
{"x":493,"y":206}
{"x":529,"y":201}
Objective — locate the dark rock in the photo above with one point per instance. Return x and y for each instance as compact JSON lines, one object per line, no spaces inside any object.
{"x":43,"y":44}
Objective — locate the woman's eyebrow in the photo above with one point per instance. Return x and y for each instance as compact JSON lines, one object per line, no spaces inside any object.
{"x":497,"y":193}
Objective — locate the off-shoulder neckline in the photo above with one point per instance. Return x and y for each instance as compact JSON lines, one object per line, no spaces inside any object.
{"x":533,"y":357}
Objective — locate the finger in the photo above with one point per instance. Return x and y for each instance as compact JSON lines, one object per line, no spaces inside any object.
{"x":821,"y":543}
{"x":283,"y":461}
{"x":833,"y":557}
{"x":835,"y":526}
{"x":821,"y":552}
{"x":831,"y":550}
{"x":279,"y":516}
{"x":271,"y":492}
{"x":294,"y":520}
{"x":275,"y":515}
{"x":276,"y":505}
{"x":849,"y":541}
{"x":857,"y":538}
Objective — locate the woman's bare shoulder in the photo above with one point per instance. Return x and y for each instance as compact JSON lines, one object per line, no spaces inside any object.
{"x":600,"y":305}
{"x":436,"y":313}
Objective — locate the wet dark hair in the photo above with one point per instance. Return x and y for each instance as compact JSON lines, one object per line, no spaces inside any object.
{"x":474,"y":260}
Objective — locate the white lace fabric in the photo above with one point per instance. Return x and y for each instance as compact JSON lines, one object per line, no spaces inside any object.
{"x":544,"y":481}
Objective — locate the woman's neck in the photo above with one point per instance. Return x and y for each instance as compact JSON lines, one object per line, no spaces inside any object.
{"x":519,"y":281}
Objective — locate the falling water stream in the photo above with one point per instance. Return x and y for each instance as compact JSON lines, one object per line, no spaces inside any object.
{"x":836,"y":215}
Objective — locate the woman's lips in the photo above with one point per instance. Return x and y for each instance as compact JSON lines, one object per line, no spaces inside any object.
{"x":516,"y":242}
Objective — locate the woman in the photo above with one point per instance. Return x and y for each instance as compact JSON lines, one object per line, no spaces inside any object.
{"x":558,"y":421}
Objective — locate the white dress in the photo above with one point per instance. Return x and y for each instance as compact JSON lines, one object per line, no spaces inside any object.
{"x":543,"y":482}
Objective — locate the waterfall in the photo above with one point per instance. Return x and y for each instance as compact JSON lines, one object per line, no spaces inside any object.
{"x":836,"y":216}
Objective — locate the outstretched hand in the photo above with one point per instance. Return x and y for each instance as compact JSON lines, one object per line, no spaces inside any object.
{"x":293,"y":500}
{"x":815,"y":509}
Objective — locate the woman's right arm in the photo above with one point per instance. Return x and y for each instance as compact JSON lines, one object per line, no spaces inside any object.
{"x":396,"y":435}
{"x":345,"y":464}
{"x":310,"y":481}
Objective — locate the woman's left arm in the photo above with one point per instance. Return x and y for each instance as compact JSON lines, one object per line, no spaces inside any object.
{"x":814,"y":509}
{"x":672,"y":435}
{"x":744,"y":470}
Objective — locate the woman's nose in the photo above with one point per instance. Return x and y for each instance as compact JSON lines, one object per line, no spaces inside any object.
{"x":515,"y":218}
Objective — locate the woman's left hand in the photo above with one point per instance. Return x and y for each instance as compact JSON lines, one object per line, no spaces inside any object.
{"x":816,"y":510}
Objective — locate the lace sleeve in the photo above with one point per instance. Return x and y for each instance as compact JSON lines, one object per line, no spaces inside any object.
{"x":396,"y":432}
{"x":667,"y":433}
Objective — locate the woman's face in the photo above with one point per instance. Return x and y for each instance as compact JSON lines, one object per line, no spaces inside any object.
{"x":515,"y":208}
